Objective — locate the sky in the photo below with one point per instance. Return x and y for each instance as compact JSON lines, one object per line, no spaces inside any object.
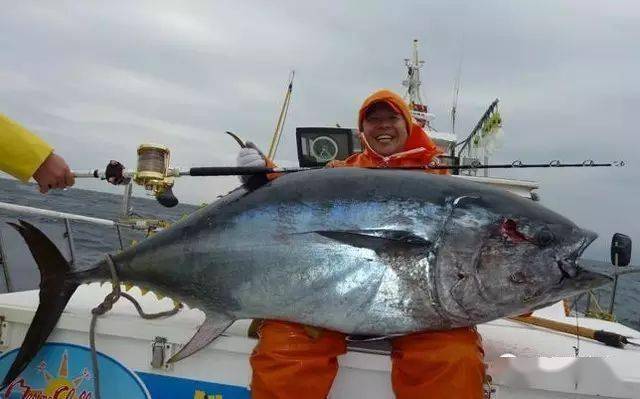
{"x":96,"y":79}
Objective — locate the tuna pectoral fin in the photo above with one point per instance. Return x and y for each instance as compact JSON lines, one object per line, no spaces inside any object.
{"x":381,"y":241}
{"x":55,"y":291}
{"x":208,"y":331}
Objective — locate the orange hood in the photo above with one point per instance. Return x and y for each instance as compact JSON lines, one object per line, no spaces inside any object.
{"x":418,"y":138}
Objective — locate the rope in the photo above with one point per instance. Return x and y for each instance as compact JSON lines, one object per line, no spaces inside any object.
{"x":598,"y":313}
{"x":106,"y":306}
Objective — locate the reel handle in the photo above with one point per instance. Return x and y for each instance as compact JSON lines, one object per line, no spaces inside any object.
{"x":167,"y":199}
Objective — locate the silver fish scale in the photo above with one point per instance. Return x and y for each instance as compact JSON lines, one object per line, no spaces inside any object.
{"x":339,"y":286}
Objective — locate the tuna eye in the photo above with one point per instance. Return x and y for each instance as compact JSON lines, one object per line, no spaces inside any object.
{"x":544,"y":237}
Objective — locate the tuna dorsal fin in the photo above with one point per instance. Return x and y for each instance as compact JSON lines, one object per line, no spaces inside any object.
{"x":208,"y":331}
{"x":380,"y":240}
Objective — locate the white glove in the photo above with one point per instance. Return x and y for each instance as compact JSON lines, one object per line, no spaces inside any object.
{"x":250,"y":156}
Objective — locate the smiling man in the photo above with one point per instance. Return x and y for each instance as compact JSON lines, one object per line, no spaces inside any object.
{"x":385,"y":129}
{"x":389,"y":136}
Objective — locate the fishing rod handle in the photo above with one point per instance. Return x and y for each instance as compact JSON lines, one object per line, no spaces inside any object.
{"x":610,"y":338}
{"x":97,"y":173}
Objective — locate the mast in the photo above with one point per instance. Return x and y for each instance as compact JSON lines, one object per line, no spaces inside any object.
{"x":412,"y":83}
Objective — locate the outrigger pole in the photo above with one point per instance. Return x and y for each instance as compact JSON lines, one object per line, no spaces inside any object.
{"x":281,"y":119}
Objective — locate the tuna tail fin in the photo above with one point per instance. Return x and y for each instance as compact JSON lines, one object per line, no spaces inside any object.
{"x":56,"y":288}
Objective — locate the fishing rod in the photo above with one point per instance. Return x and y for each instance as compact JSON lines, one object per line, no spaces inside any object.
{"x":251,"y":170}
{"x":155,"y":175}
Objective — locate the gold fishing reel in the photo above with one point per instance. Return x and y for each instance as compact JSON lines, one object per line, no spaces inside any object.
{"x":153,"y":172}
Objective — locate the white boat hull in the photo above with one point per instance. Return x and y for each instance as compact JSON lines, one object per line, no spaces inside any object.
{"x":545,"y":363}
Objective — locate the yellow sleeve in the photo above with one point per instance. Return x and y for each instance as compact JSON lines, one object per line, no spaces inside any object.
{"x":21,"y":152}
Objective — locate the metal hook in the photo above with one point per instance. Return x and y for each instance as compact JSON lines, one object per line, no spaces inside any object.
{"x":237,"y":139}
{"x":555,"y":163}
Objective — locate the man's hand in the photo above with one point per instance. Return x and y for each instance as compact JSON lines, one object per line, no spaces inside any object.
{"x":53,"y":173}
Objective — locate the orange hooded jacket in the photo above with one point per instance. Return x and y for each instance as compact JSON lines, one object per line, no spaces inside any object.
{"x":419,"y":150}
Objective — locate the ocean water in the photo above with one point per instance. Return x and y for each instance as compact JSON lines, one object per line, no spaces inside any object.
{"x":91,"y":241}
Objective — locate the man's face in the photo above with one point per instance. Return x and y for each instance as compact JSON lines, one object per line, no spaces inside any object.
{"x":384,"y":129}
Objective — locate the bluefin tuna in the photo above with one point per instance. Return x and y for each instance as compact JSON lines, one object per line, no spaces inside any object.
{"x":363,"y":252}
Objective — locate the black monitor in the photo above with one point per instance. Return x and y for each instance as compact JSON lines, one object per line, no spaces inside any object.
{"x":319,"y":145}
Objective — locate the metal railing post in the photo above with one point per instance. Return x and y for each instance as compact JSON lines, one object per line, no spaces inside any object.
{"x":615,"y":287}
{"x":69,"y":236}
{"x":5,"y":268}
{"x":126,"y":200}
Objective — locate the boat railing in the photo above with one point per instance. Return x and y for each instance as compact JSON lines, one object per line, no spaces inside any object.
{"x":145,"y":225}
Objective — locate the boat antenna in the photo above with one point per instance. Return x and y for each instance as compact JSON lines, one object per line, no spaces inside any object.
{"x":456,"y":95}
{"x":281,"y":119}
{"x":412,"y":83}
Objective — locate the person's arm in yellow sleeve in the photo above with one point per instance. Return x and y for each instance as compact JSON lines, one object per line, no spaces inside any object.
{"x":25,"y":155}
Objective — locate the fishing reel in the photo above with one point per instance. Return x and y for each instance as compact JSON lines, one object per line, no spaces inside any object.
{"x":154,"y":174}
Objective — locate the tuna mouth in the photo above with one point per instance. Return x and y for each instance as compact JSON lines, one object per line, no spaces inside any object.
{"x":569,"y":266}
{"x":586,"y":278}
{"x":578,"y":279}
{"x":588,"y":238}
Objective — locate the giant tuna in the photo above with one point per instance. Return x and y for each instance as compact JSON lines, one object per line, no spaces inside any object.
{"x":367,"y":252}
